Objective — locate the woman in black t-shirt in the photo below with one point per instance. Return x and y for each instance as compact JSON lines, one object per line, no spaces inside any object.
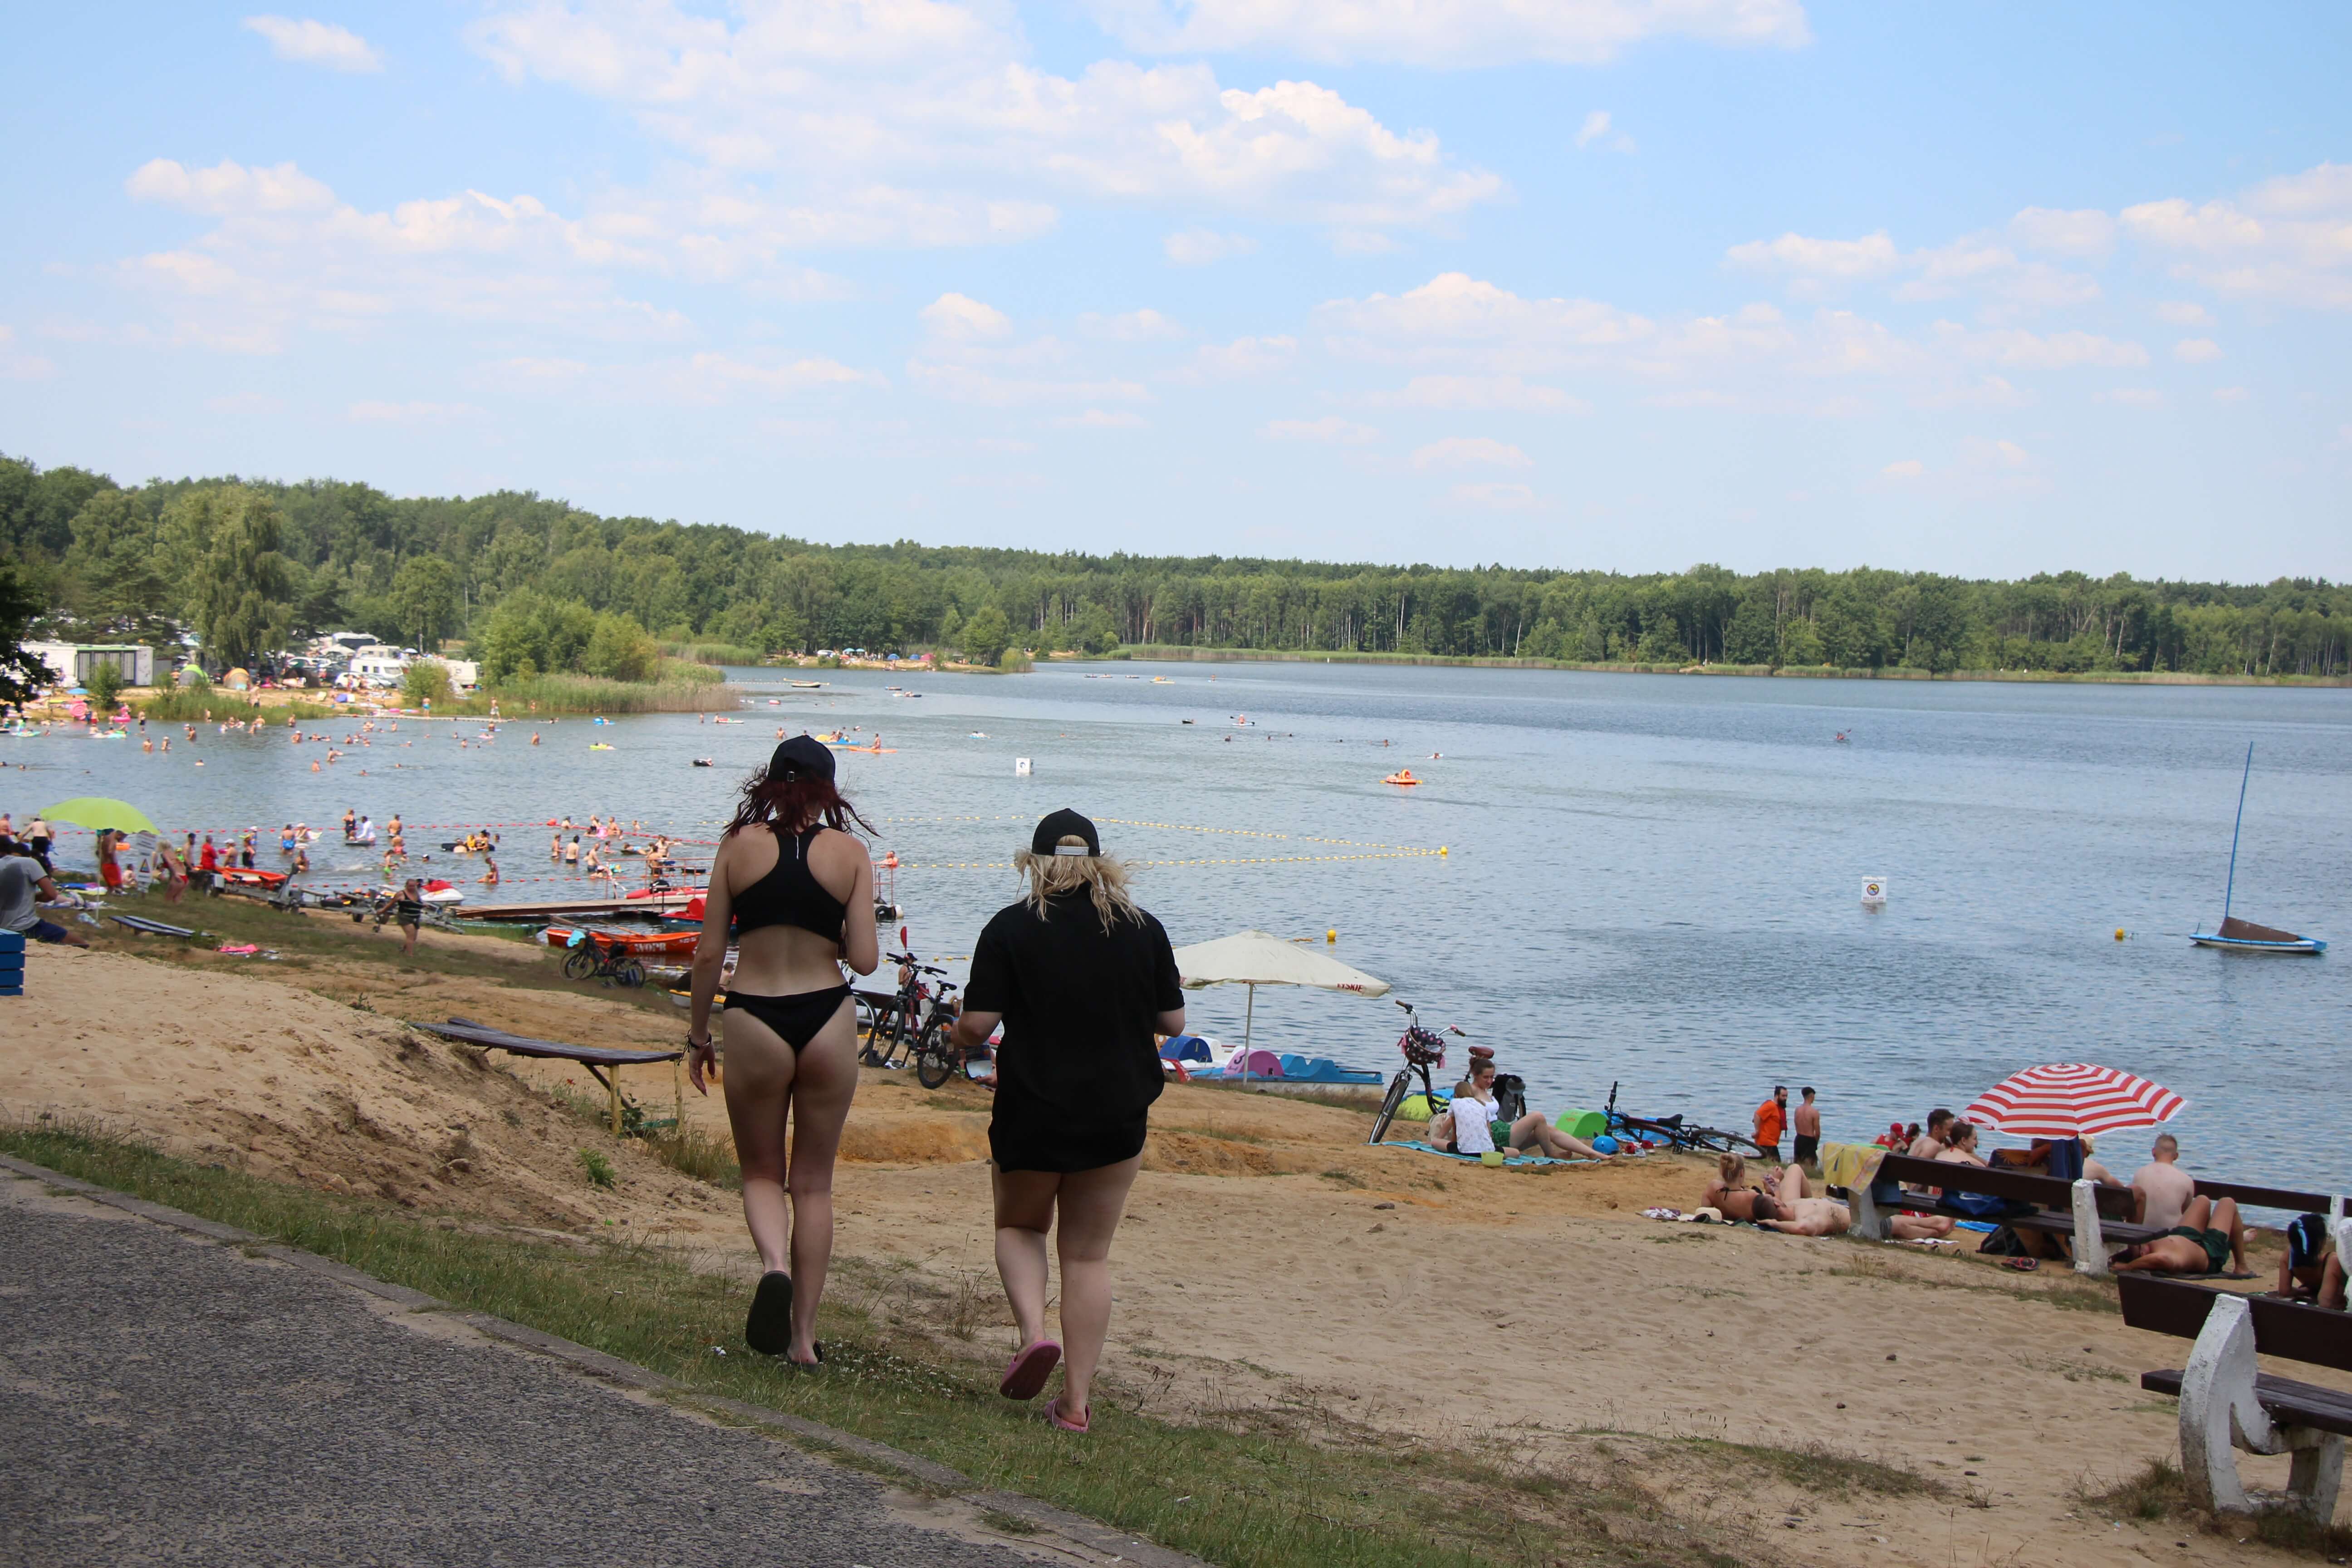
{"x":1084,"y":983}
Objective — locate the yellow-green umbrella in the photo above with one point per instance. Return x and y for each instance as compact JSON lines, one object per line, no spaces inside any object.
{"x":96,"y":811}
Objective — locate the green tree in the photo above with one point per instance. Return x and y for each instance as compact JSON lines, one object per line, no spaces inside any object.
{"x":21,"y":673}
{"x":620,"y":650}
{"x":424,"y":598}
{"x":423,"y":682}
{"x":104,"y":685}
{"x":116,"y":558}
{"x":528,"y":632}
{"x":985,"y":635}
{"x":1095,"y":632}
{"x":242,"y":587}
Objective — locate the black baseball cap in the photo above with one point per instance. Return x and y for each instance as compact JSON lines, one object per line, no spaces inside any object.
{"x":800,"y":755}
{"x":1065,"y":824}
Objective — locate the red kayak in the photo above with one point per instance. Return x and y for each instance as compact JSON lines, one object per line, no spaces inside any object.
{"x":638,"y":944}
{"x":244,"y":877}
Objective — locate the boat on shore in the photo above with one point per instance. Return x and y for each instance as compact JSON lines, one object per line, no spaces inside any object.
{"x":2235,"y":935}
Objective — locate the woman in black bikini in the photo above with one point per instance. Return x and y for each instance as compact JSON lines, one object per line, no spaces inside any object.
{"x":797,"y":888}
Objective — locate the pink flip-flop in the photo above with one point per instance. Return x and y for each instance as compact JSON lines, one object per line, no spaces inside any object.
{"x":1054,"y":1414}
{"x":1025,"y":1374}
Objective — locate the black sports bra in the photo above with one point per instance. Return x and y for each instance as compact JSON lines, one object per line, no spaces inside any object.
{"x":789,"y":895}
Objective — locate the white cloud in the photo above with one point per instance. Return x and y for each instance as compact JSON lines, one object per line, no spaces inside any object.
{"x":938,"y":99}
{"x":1454,"y":311}
{"x":966,"y":384}
{"x":316,"y":43}
{"x":2288,"y":238}
{"x":1872,"y":256}
{"x":1483,"y":392}
{"x":2195,"y":351}
{"x":15,"y":366}
{"x":2183,"y":313}
{"x":1496,"y":494}
{"x":1241,"y":359}
{"x":721,"y":373}
{"x":1976,"y":264}
{"x":413,"y":413}
{"x":1132,"y":327}
{"x":1100,"y":419}
{"x":2052,"y":351}
{"x":2010,"y":455}
{"x":1330,"y":430}
{"x":1905,"y":469}
{"x":1470,"y":452}
{"x":2231,"y":394}
{"x":1202,"y":247}
{"x":284,"y":256}
{"x":1446,"y":33}
{"x":1596,"y":126}
{"x":960,"y":318}
{"x":2086,"y":232}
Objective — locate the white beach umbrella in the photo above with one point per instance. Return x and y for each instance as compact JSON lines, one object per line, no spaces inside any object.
{"x":1255,"y":958}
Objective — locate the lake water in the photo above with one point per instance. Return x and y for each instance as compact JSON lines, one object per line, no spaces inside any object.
{"x":1649,"y":879}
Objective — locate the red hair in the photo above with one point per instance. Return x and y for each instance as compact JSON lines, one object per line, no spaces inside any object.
{"x":794,"y":804}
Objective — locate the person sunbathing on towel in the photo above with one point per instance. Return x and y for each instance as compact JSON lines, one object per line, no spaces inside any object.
{"x":1786,"y":1203}
{"x":2208,"y":1239}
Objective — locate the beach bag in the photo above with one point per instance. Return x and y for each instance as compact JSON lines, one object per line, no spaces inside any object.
{"x":1441,"y":1130}
{"x":2003,"y":1243}
{"x":1981,"y":1205}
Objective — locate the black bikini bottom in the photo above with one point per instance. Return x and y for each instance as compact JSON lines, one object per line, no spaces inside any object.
{"x":797,"y":1017}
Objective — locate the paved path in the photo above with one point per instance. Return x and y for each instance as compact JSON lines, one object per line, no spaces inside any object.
{"x":172,"y":1399}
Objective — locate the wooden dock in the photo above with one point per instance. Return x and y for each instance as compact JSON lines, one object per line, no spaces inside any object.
{"x":581,"y":908}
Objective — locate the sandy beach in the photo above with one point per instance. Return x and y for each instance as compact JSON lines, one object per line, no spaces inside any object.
{"x":1273,"y":1269}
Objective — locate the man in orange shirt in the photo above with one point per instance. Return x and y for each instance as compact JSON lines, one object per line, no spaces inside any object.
{"x":1770,"y":1118}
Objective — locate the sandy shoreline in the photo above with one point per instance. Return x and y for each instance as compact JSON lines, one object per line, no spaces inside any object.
{"x":1274,"y":1266}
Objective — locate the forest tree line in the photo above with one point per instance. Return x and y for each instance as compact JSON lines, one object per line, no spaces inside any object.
{"x":537,"y":584}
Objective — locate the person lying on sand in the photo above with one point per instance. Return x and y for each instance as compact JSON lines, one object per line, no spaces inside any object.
{"x":2207,"y":1240}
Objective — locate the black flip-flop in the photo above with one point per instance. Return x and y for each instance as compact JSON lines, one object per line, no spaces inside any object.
{"x":2022,"y":1265}
{"x":768,"y":1328}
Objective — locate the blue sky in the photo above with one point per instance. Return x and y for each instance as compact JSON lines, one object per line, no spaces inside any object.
{"x":1621,"y":283}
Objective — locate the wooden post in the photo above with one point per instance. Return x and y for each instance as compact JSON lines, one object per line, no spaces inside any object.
{"x":614,"y":1081}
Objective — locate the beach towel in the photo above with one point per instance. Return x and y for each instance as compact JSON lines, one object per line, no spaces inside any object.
{"x":1473,"y":1159}
{"x":1848,"y":1165}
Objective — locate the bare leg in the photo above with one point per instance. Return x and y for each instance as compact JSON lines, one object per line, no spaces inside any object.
{"x":1922,"y":1226}
{"x":1024,"y":1212}
{"x":1793,"y":1187}
{"x":2225,"y":1219}
{"x":758,"y":1084}
{"x":1091,"y":1203}
{"x":823,"y":1081}
{"x":2331,"y":1285}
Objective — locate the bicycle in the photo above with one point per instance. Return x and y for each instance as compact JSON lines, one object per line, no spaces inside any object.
{"x":1676,"y":1132}
{"x":1424,"y":1050}
{"x":894,"y":1019}
{"x":592,"y":958}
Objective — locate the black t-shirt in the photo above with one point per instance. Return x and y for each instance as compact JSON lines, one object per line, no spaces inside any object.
{"x":1080,"y":1005}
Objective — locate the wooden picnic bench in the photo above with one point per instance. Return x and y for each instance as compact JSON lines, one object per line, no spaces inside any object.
{"x":2250,"y":1197}
{"x":2093,"y":1217}
{"x":469,"y":1032}
{"x":2226,"y":1402}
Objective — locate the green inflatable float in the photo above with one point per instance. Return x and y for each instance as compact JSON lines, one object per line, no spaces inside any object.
{"x":1585,"y":1124}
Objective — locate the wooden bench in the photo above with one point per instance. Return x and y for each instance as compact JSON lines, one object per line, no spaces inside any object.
{"x":467,"y":1031}
{"x":2093,"y":1217}
{"x":2226,"y":1402}
{"x":2255,"y":1197}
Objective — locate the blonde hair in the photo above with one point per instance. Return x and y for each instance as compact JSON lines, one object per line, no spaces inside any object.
{"x":1103,"y":877}
{"x":1731,"y":1167}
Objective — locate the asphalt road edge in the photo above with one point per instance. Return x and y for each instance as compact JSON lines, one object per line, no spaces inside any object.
{"x":929,"y":1474}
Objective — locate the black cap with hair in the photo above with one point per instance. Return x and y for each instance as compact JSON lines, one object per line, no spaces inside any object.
{"x":800,"y":755}
{"x":1060,"y":825}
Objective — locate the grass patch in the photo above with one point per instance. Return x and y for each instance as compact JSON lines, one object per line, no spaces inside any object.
{"x":682,"y":689}
{"x":598,"y":1170}
{"x":1286,"y":1492}
{"x":2157,"y":1492}
{"x":714,"y":653}
{"x":691,"y":1152}
{"x":1819,"y":1468}
{"x":215,"y":705}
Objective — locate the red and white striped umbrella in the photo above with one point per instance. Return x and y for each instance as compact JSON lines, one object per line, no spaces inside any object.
{"x":2066,"y":1100}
